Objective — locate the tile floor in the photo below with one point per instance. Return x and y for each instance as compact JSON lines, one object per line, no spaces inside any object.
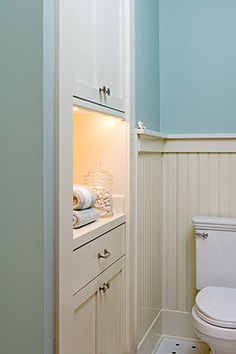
{"x":176,"y":346}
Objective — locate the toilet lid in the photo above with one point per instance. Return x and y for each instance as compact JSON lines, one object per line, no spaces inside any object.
{"x":218,"y":306}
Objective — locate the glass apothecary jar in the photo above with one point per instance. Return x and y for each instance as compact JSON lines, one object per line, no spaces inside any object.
{"x":100,"y":181}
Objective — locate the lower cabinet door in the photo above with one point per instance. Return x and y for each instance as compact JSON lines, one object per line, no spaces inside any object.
{"x":85,"y":326}
{"x":99,"y":313}
{"x":110,"y":316}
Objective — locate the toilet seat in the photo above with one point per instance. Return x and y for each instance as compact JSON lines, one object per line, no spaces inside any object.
{"x":217,"y":306}
{"x":209,"y":320}
{"x":210,"y":330}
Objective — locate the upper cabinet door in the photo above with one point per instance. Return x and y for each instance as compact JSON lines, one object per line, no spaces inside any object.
{"x":99,"y":52}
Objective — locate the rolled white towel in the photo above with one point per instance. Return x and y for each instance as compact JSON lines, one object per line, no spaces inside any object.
{"x":83,"y":197}
{"x":84,"y":217}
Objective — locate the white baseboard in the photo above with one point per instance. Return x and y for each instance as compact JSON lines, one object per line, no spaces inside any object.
{"x":177,"y":324}
{"x":168,"y":323}
{"x":152,"y":336}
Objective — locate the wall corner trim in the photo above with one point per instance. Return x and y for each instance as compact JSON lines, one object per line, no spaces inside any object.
{"x":152,"y":337}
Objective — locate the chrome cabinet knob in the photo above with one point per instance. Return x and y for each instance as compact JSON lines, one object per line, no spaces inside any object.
{"x":102,"y":90}
{"x":103,"y":288}
{"x":105,"y":90}
{"x":105,"y":255}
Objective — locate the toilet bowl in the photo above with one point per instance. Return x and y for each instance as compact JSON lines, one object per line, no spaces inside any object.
{"x":214,"y":313}
{"x":214,"y":319}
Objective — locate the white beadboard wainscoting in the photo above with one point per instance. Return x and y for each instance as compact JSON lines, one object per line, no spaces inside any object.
{"x":193,"y":184}
{"x":173,"y":187}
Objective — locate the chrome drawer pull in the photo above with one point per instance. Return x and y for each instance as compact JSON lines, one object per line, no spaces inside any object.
{"x":106,"y":254}
{"x":202,"y":234}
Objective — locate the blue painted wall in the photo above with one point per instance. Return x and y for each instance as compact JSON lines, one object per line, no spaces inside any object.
{"x":21,"y":176}
{"x":198,"y":66}
{"x":147,"y":65}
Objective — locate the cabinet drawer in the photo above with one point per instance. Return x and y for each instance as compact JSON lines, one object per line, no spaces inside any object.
{"x":93,"y":258}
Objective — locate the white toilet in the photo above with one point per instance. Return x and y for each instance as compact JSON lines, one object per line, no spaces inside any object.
{"x":214,"y":312}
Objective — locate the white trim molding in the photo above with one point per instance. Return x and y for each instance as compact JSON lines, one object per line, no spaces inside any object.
{"x":151,"y":141}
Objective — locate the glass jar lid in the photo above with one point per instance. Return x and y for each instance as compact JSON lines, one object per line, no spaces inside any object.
{"x":99,"y":173}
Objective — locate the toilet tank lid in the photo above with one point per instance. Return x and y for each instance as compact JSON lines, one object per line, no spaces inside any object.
{"x":214,"y":223}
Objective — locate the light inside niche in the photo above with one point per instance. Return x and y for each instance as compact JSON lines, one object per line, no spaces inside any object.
{"x":107,"y":119}
{"x":97,"y":137}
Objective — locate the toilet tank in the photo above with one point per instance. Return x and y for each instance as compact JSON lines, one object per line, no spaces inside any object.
{"x":215,"y":251}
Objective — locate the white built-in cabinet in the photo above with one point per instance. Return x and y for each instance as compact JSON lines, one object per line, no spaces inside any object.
{"x":99,"y":287}
{"x":99,"y":53}
{"x":92,"y":57}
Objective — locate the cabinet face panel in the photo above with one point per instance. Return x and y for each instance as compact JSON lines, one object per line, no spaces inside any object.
{"x":99,"y":51}
{"x":85,"y":58}
{"x":110,"y":317}
{"x":110,"y":48}
{"x":85,"y":326}
{"x":99,"y":313}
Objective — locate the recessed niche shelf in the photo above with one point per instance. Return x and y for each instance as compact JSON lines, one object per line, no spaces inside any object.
{"x":89,"y":232}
